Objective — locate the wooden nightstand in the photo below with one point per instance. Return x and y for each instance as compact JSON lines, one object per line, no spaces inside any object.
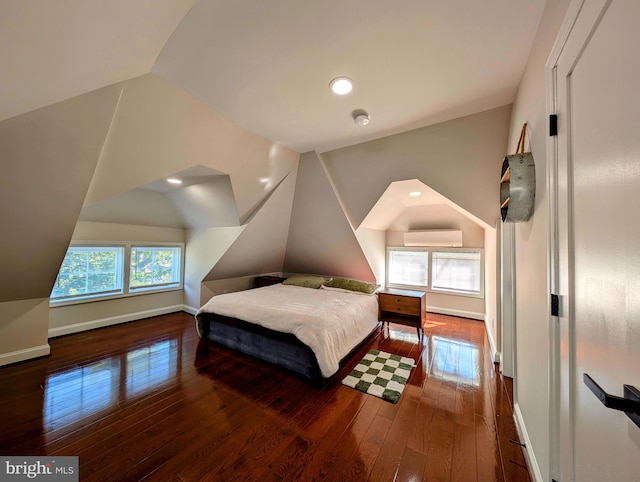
{"x":402,"y":306}
{"x":267,"y":280}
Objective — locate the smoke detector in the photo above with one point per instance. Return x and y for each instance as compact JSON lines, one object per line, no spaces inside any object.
{"x":360,"y":117}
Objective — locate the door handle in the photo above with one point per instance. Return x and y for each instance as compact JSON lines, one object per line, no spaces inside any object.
{"x":629,"y":404}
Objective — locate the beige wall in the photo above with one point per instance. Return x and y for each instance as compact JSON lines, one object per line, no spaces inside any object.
{"x":321,"y":240}
{"x":260,"y":248}
{"x":532,"y":293}
{"x":455,"y":158}
{"x":437,"y":216}
{"x":49,"y":156}
{"x":64,"y":320}
{"x":91,"y":231}
{"x":205,"y":247}
{"x":23,"y":330}
{"x":373,"y":244}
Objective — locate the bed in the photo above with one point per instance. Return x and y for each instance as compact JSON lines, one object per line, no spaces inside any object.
{"x":308,"y":329}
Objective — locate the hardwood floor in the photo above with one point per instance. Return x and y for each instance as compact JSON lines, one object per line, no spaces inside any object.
{"x":143,"y":400}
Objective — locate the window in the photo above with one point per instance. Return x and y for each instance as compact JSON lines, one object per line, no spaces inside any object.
{"x":409,"y":268}
{"x":457,"y":271}
{"x":90,"y":270}
{"x":154,"y":266}
{"x":95,"y":272}
{"x":451,"y":270}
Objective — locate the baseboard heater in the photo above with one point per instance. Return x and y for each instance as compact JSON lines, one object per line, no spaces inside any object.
{"x":437,"y":237}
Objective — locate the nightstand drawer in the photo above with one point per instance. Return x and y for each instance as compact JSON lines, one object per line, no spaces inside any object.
{"x":399,"y":304}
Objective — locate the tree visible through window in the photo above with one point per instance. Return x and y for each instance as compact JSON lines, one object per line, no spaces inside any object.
{"x":154,"y":266}
{"x":89,"y":270}
{"x":93,"y":272}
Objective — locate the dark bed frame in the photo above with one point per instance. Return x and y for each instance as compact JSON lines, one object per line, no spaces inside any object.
{"x":281,"y":349}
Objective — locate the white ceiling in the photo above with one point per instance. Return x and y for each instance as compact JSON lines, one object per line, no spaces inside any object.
{"x":53,"y":50}
{"x":266,"y":64}
{"x":192,"y":175}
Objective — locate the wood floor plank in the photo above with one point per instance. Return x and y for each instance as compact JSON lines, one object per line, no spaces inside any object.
{"x":464,"y":451}
{"x":145,"y":401}
{"x":489,"y":461}
{"x":440,"y":457}
{"x":412,"y":465}
{"x":369,"y":448}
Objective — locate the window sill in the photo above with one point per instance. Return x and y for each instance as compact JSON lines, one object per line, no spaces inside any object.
{"x":440,"y":292}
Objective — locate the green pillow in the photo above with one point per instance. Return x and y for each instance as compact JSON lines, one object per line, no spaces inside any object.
{"x":352,"y":285}
{"x":306,"y":281}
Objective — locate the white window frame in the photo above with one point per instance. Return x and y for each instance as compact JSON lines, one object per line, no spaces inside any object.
{"x":177,"y":270}
{"x":127,"y":291}
{"x":120,"y":281}
{"x":408,"y":286}
{"x":428,"y":288}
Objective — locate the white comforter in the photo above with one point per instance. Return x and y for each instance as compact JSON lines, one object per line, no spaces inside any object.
{"x":330,"y":322}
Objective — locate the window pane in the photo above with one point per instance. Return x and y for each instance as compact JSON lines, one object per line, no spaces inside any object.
{"x":154,"y":266}
{"x":89,"y":270}
{"x":408,"y":267}
{"x":456,"y":271}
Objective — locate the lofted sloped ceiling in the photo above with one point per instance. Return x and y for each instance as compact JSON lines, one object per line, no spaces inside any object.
{"x":311,"y":247}
{"x":407,"y":196}
{"x":261,"y":246}
{"x":266,"y":65}
{"x":54,"y":50}
{"x":48,"y":158}
{"x":202,"y":201}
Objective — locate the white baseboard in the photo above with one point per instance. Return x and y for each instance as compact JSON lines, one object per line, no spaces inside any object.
{"x":189,"y":309}
{"x":497,"y":357}
{"x":532,"y":462}
{"x":26,"y":354}
{"x":114,"y":320}
{"x":462,"y":314}
{"x":495,"y":354}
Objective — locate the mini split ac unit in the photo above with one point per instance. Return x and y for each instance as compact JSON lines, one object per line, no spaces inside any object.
{"x":440,"y":237}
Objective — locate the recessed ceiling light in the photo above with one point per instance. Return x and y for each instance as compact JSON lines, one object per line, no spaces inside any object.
{"x":415,"y":193}
{"x":341,"y":85}
{"x":173,"y":180}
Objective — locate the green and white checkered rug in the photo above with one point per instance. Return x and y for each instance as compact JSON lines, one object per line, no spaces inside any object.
{"x":381,"y":374}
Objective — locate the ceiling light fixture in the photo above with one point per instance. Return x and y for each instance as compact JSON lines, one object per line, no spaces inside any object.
{"x":173,"y":180}
{"x":341,"y":85}
{"x":360,"y":117}
{"x":415,"y":193}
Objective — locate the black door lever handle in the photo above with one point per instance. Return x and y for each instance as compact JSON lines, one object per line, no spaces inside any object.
{"x":630,"y":403}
